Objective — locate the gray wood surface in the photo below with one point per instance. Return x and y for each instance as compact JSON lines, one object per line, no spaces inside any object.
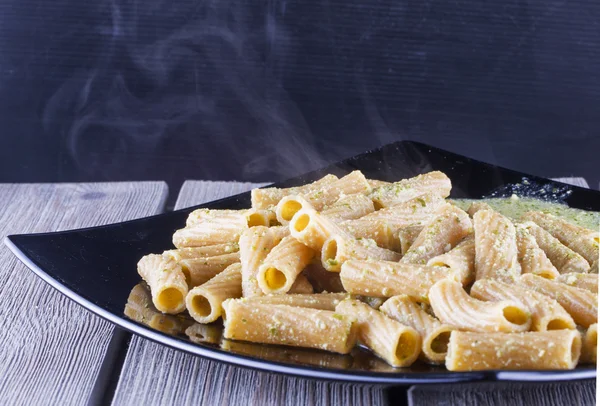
{"x":155,"y":375}
{"x":51,"y":347}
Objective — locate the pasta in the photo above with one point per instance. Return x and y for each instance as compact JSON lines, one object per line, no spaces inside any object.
{"x":414,"y":212}
{"x":268,"y":197}
{"x":531,"y":257}
{"x":339,"y":249}
{"x":321,"y":301}
{"x":546,"y":313}
{"x":495,"y":246}
{"x":562,"y":257}
{"x":166,"y":281}
{"x":439,"y":236}
{"x":386,"y":279}
{"x":407,"y":189}
{"x":288,"y":325}
{"x":587,"y":281}
{"x":255,"y":244}
{"x":349,"y":207}
{"x":394,"y":266}
{"x":397,"y":344}
{"x":589,"y":348}
{"x":376,"y":230}
{"x":468,"y":351}
{"x":312,"y":229}
{"x":434,"y":334}
{"x":204,"y":302}
{"x":580,"y":239}
{"x":199,"y":270}
{"x":282,"y":265}
{"x":453,"y":306}
{"x":407,"y":236}
{"x":460,"y":260}
{"x":581,"y":304}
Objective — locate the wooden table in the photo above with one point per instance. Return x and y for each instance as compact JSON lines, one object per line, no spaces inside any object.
{"x":54,"y":352}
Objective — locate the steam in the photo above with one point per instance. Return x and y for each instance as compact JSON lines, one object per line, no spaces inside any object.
{"x":169,"y":72}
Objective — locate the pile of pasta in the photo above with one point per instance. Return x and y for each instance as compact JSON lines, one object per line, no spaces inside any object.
{"x":397,"y":268}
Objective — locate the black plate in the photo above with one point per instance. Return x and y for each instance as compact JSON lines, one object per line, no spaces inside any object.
{"x":96,"y":267}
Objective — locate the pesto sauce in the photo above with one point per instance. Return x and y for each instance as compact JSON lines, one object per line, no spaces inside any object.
{"x":514,"y":207}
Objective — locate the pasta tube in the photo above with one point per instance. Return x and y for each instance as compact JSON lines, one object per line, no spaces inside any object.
{"x":290,"y":205}
{"x":531,"y":257}
{"x":562,"y":257}
{"x":322,"y":280}
{"x":580,"y":239}
{"x":476,"y":206}
{"x":376,"y":230}
{"x":204,"y":302}
{"x":433,"y":182}
{"x":386,"y":279}
{"x":339,"y":249}
{"x":417,"y":211}
{"x":460,"y":260}
{"x":255,"y":244}
{"x":349,"y":207}
{"x":495,"y":246}
{"x":209,"y":233}
{"x":166,"y":281}
{"x":312,"y":229}
{"x":229,"y":217}
{"x":581,"y":304}
{"x":321,"y":301}
{"x":140,"y":308}
{"x":469,"y":351}
{"x":199,"y":270}
{"x":546,"y":313}
{"x":202,"y":252}
{"x":435,"y":335}
{"x":353,"y":183}
{"x":453,"y":306}
{"x":407,"y":236}
{"x":268,"y":197}
{"x":301,"y":286}
{"x":287,"y":325}
{"x":587,"y":281}
{"x":282,"y":265}
{"x":375,"y":183}
{"x":589,"y":349}
{"x":260,"y":217}
{"x":439,"y":236}
{"x":397,"y":344}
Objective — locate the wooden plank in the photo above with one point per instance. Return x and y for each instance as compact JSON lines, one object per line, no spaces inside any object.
{"x":153,"y":374}
{"x":52,"y":348}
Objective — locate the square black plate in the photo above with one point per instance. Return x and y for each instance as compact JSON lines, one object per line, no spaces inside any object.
{"x":96,"y":266}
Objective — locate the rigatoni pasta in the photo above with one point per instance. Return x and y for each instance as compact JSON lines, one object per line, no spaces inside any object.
{"x":470,"y":351}
{"x":166,"y":281}
{"x":288,"y":325}
{"x":434,"y":334}
{"x":399,"y":260}
{"x":440,"y":235}
{"x":495,"y":246}
{"x":399,"y":345}
{"x":546,"y":313}
{"x":581,"y":304}
{"x":453,"y":306}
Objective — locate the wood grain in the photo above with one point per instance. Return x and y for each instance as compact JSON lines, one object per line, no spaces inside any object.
{"x":156,"y":375}
{"x":51,"y":347}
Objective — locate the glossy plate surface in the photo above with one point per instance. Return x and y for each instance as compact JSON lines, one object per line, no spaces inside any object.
{"x":96,"y":267}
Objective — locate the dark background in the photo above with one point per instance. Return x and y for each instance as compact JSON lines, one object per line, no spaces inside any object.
{"x":264,"y":90}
